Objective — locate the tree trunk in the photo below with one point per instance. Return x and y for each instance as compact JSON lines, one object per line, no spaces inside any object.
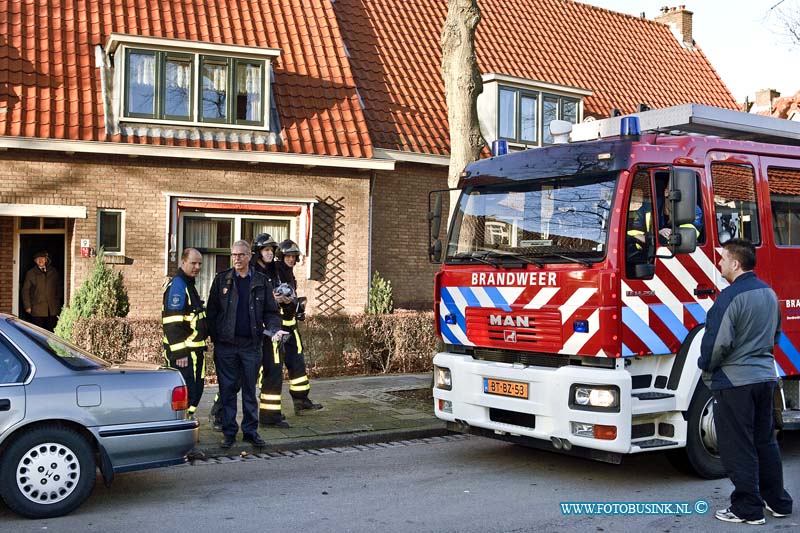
{"x":463,"y":84}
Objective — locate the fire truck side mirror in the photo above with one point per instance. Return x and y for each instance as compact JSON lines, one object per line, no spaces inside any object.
{"x":684,"y":240}
{"x":434,"y":226}
{"x":435,"y":252}
{"x":683,"y":195}
{"x":435,"y":214}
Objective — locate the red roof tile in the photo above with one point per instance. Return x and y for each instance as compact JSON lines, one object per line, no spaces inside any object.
{"x":395,"y":56}
{"x":50,"y":85}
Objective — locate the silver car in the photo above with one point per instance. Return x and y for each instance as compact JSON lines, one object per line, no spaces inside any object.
{"x":64,"y":412}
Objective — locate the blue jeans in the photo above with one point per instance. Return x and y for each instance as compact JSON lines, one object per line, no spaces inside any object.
{"x":237,"y":368}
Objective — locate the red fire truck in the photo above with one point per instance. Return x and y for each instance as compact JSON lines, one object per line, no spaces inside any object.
{"x":576,"y":278}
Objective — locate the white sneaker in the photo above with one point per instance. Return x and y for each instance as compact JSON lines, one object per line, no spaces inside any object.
{"x":726,"y":515}
{"x":776,"y":515}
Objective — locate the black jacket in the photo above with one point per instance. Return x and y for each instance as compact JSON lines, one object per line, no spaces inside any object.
{"x":224,"y":298}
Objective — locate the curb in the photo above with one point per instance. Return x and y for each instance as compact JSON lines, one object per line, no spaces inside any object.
{"x":328,"y":441}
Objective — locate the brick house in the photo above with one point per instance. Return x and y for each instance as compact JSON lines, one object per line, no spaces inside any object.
{"x":148,"y":128}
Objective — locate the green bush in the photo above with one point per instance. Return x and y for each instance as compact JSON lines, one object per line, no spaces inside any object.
{"x":380,"y":296}
{"x":102,"y":295}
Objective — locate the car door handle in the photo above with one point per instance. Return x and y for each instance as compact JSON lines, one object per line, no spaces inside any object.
{"x":5,"y":404}
{"x":704,"y":292}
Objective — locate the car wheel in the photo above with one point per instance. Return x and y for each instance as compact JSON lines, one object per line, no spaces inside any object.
{"x":701,"y":454}
{"x":47,"y":472}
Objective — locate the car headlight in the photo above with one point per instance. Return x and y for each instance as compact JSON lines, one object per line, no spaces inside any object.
{"x":594,"y":397}
{"x":442,"y":377}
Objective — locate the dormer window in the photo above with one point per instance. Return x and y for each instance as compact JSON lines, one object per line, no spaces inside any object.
{"x":164,"y":80}
{"x":523,"y":109}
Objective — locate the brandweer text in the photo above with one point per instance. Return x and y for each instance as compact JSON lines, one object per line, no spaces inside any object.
{"x":514,"y":278}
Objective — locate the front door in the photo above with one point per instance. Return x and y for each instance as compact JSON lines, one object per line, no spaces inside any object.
{"x":31,"y":242}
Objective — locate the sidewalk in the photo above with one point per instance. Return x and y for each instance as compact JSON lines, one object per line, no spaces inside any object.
{"x":358,"y":410}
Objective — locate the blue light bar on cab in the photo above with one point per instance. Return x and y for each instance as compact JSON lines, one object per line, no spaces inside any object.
{"x":629,"y":127}
{"x":499,"y":147}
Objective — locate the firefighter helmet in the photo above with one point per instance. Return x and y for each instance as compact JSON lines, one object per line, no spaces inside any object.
{"x":263,"y":240}
{"x":287,"y":247}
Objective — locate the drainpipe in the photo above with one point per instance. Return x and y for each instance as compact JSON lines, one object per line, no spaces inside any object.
{"x":372,"y":178}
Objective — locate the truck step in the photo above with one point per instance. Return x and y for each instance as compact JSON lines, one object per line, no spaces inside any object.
{"x":652,"y":395}
{"x":654,"y":443}
{"x":791,"y":419}
{"x":645,"y":403}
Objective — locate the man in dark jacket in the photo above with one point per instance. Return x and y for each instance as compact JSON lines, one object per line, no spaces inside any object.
{"x":241,"y":309}
{"x":42,"y":292}
{"x":183,"y":320}
{"x":736,"y":356}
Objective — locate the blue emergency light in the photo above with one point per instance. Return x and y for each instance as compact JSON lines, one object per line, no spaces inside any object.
{"x":580,"y":326}
{"x":450,"y":318}
{"x":629,"y":127}
{"x":499,"y":147}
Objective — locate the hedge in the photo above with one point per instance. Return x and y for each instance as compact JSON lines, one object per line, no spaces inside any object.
{"x":404,"y":341}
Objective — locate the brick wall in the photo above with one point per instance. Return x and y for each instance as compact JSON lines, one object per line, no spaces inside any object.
{"x":137,"y":185}
{"x":400,"y":231}
{"x":6,"y":263}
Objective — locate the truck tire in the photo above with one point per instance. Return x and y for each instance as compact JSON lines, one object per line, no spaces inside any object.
{"x":700,"y":456}
{"x":47,"y":472}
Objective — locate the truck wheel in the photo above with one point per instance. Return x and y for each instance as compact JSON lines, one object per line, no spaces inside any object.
{"x":701,"y":454}
{"x":47,"y":472}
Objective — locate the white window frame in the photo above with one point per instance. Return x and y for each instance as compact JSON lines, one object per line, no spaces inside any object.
{"x":119,"y":45}
{"x":122,"y":235}
{"x":489,"y":105}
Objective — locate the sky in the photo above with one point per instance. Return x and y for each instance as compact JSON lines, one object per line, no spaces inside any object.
{"x":743,"y":39}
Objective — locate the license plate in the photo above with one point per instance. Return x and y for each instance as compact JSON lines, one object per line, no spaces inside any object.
{"x":505,"y":388}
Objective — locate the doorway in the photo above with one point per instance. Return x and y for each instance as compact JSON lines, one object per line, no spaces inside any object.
{"x":29,"y":244}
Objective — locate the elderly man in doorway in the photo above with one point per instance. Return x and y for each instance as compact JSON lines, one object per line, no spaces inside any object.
{"x":42,"y":292}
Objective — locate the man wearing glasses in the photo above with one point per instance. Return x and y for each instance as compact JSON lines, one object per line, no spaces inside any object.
{"x":241,"y":309}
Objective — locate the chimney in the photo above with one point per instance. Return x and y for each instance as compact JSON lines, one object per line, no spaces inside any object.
{"x":680,"y":22}
{"x":764,"y":100}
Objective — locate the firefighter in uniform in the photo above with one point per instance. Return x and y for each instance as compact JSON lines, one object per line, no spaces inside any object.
{"x":292,"y":310}
{"x":270,"y":378}
{"x":183,"y":320}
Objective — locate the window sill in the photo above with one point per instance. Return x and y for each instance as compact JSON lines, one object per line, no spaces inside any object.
{"x":186,"y":124}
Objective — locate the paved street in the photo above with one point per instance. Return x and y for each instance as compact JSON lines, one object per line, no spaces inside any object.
{"x":452,"y":483}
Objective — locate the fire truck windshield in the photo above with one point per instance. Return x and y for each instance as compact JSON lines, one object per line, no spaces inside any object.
{"x":547,"y":220}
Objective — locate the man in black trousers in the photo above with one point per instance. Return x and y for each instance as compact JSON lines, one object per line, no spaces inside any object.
{"x":241,"y":310}
{"x":736,"y":355}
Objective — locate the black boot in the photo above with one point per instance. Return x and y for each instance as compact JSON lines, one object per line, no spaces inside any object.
{"x":273,"y":421}
{"x":216,"y":415}
{"x":305,"y":404}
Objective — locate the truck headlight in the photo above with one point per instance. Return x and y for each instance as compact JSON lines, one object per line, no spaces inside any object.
{"x":594,"y":397}
{"x":442,"y":377}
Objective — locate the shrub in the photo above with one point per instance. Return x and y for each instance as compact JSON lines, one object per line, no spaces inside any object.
{"x":334,"y":346}
{"x":102,"y":295}
{"x":109,"y":338}
{"x":380,"y":296}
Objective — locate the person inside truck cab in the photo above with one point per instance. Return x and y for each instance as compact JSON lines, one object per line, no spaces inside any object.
{"x":664,"y":224}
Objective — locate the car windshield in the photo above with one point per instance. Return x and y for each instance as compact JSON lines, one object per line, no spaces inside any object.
{"x":547,"y":221}
{"x":69,"y":354}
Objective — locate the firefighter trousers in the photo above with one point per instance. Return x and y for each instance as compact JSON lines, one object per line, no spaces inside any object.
{"x":296,"y":365}
{"x":269,"y":383}
{"x":194,"y":374}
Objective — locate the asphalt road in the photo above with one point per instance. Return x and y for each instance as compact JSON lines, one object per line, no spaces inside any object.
{"x":454,"y":483}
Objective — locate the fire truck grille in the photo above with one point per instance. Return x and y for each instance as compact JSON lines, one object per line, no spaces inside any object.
{"x":524,"y":330}
{"x":525,"y":358}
